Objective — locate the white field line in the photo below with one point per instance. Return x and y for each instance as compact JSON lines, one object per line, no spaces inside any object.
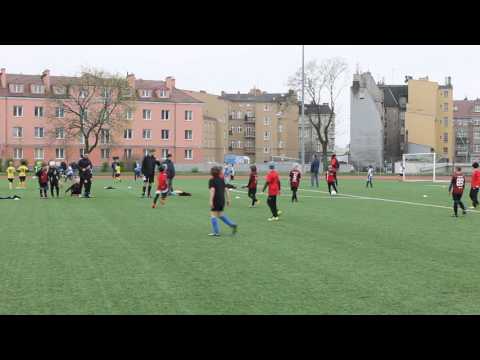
{"x":389,"y":200}
{"x":289,"y":195}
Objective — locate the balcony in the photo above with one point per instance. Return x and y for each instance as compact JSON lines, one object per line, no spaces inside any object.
{"x":249,"y":150}
{"x":250,"y":119}
{"x":249,"y":136}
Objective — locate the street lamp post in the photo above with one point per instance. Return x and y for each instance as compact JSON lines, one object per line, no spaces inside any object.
{"x":302,"y":137}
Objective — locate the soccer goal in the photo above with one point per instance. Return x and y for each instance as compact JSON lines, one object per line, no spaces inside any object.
{"x":424,"y":167}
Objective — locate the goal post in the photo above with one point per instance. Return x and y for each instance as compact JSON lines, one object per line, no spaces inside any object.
{"x":424,"y":167}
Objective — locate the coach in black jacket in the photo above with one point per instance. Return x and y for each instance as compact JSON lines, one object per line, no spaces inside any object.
{"x":170,"y":172}
{"x":85,"y":171}
{"x":148,"y":170}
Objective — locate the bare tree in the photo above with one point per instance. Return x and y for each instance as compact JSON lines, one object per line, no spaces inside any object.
{"x":90,"y":108}
{"x":322,"y":81}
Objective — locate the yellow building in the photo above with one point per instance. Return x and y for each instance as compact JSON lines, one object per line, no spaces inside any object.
{"x":429,"y":118}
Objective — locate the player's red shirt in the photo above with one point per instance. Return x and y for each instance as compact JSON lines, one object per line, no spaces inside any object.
{"x":252,"y":181}
{"x":334,"y":163}
{"x":273,"y":181}
{"x":458,"y":183}
{"x":162,"y":184}
{"x":476,"y":178}
{"x":330,"y":176}
{"x":295,"y":176}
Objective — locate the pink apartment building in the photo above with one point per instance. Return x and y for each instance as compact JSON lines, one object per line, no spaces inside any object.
{"x":165,"y":119}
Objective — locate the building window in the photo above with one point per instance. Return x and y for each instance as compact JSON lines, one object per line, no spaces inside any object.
{"x":39,"y":154}
{"x":445,"y":150}
{"x":60,"y":153}
{"x":17,"y":110}
{"x":129,"y":115}
{"x":106,"y":92}
{"x":39,"y":132}
{"x":445,"y":137}
{"x":188,"y":154}
{"x":127,"y":154}
{"x":266,"y":149}
{"x":164,"y":134}
{"x":267,"y":121}
{"x":18,"y":132}
{"x":165,"y":115}
{"x":445,"y":121}
{"x":476,"y":108}
{"x":146,"y":93}
{"x":164,"y":154}
{"x":280,"y":144}
{"x":18,"y":153}
{"x":38,"y":111}
{"x":147,"y":114}
{"x":188,"y":115}
{"x":59,"y":112}
{"x":127,"y":133}
{"x":266,"y":107}
{"x":105,"y":153}
{"x":60,"y":133}
{"x":445,"y":93}
{"x":104,"y":137}
{"x":476,"y":148}
{"x":188,"y":134}
{"x":266,"y":135}
{"x":59,"y":90}
{"x":445,"y":106}
{"x":83,"y":94}
{"x":38,"y":89}
{"x":147,"y":134}
{"x":163,"y":93}
{"x":16,"y":88}
{"x":280,"y":128}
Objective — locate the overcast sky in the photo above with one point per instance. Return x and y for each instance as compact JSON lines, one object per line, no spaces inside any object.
{"x":240,"y":67}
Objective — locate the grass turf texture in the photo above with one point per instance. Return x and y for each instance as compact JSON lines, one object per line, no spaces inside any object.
{"x":113,"y":254}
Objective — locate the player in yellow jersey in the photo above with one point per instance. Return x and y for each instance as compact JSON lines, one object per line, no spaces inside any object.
{"x":22,"y":175}
{"x":117,"y":173}
{"x":10,"y":174}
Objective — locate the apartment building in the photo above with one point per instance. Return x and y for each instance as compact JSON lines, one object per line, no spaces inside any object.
{"x":312,"y":143}
{"x":261,"y":125}
{"x":215,"y":116}
{"x":165,"y":118}
{"x":466,"y":118}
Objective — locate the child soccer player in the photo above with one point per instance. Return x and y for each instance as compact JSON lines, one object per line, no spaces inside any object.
{"x":10,"y":175}
{"x":69,"y":173}
{"x":22,"y":175}
{"x":456,"y":188}
{"x":42,"y":176}
{"x":117,"y":172}
{"x":137,"y":172}
{"x":252,"y":185}
{"x":218,"y":191}
{"x":330,"y":176}
{"x":75,"y":189}
{"x":370,"y":176}
{"x":162,"y":187}
{"x":272,"y":181}
{"x":54,"y":179}
{"x":475,"y":185}
{"x":295,"y":176}
{"x":227,"y":174}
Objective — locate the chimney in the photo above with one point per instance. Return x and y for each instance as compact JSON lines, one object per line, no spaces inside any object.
{"x":46,"y":79}
{"x":170,"y":82}
{"x":3,"y":78}
{"x":131,"y":80}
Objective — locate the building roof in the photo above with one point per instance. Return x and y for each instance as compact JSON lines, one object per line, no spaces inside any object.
{"x":263,"y":97}
{"x":310,"y":108}
{"x":177,"y":95}
{"x":465,"y":108}
{"x":393,"y":93}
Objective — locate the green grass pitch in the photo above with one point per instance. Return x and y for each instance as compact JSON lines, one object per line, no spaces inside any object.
{"x":114,"y":254}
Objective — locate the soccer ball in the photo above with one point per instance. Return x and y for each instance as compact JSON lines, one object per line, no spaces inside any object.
{"x":237,"y":197}
{"x":334,"y":192}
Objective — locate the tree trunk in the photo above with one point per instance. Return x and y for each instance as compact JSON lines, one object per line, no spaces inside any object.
{"x":325,"y":161}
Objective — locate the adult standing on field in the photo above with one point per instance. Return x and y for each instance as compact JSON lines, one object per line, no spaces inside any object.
{"x":148,"y":170}
{"x":335,"y":166}
{"x":85,"y":171}
{"x":170,"y":173}
{"x":314,"y":168}
{"x":475,"y":185}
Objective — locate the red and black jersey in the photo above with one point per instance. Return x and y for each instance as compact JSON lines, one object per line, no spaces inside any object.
{"x":457,"y":185}
{"x":295,"y":176}
{"x":252,"y":181}
{"x":330,"y":176}
{"x":162,"y":184}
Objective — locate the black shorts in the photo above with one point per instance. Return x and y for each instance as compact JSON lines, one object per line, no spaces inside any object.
{"x":252,"y":191}
{"x":117,"y":175}
{"x":293,"y":188}
{"x":22,"y":178}
{"x":149,"y":178}
{"x":10,"y":180}
{"x":218,"y":207}
{"x":457,"y":197}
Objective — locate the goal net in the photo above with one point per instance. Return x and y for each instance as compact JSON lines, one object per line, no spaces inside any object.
{"x":425,"y":167}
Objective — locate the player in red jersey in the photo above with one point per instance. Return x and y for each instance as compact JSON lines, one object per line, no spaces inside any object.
{"x":272,"y":181}
{"x":252,"y":185}
{"x":162,"y":187}
{"x":457,"y":185}
{"x":335,"y":166}
{"x":475,"y":185}
{"x":330,"y":177}
{"x":295,"y":177}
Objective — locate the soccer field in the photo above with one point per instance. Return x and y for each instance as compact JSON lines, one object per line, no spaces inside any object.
{"x":114,"y":254}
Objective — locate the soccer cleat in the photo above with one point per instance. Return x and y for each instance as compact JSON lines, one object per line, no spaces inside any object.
{"x":453,"y":215}
{"x":154,"y":206}
{"x":471,"y":207}
{"x":213,"y":234}
{"x":234,"y":229}
{"x":273,"y":219}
